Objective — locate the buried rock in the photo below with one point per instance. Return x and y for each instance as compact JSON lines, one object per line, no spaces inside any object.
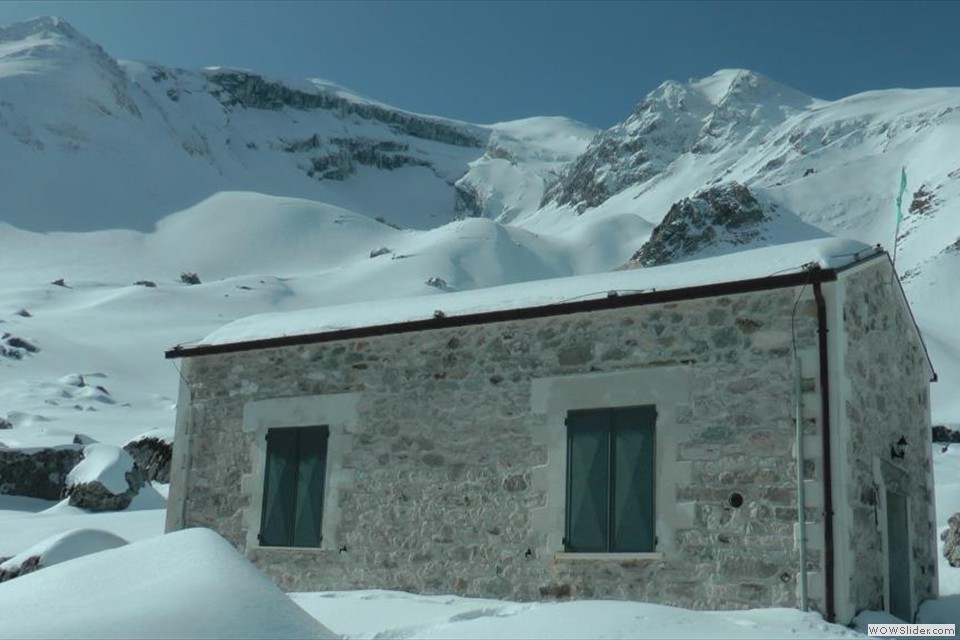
{"x":106,"y":479}
{"x":56,"y":549}
{"x":29,"y":565}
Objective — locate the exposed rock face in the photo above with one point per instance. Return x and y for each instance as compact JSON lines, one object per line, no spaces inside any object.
{"x":728,"y":213}
{"x":343,"y":155}
{"x":588,"y":183}
{"x":951,"y":541}
{"x":37,"y":473}
{"x":467,"y":202}
{"x":152,"y":457}
{"x":696,"y":118}
{"x":238,"y":88}
{"x":925,"y":201}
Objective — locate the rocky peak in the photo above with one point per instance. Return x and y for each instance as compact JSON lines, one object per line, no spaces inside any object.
{"x":44,"y":27}
{"x":50,"y":37}
{"x":53,"y":46}
{"x":728,"y":86}
{"x":700,"y":117}
{"x":723,"y":215}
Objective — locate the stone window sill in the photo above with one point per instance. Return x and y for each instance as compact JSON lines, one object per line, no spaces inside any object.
{"x":290,"y":549}
{"x":607,"y":557}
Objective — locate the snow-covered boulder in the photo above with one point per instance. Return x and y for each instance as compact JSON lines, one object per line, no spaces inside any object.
{"x":199,"y":586}
{"x":57,"y":549}
{"x":106,"y":479}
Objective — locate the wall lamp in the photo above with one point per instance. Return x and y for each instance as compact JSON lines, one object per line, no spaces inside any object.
{"x":899,"y":450}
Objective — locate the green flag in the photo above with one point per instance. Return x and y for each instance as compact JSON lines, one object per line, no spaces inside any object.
{"x":896,"y":234}
{"x":903,"y":187}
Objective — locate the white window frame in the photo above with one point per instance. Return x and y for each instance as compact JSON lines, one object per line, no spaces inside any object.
{"x":665,"y":387}
{"x":339,"y":413}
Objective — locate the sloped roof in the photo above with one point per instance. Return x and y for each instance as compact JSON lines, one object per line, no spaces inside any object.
{"x":757,"y":269}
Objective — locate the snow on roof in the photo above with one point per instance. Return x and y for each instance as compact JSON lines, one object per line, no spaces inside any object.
{"x":831,"y":253}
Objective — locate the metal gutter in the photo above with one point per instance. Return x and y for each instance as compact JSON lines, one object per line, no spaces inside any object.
{"x":828,"y":551}
{"x":801,"y":487}
{"x":613,"y":300}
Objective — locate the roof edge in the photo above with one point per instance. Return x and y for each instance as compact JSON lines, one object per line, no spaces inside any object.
{"x":904,"y":301}
{"x":613,"y":301}
{"x":913,"y":319}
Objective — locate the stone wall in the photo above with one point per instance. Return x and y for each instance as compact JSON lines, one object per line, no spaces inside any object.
{"x":887,"y":396}
{"x":447,"y":448}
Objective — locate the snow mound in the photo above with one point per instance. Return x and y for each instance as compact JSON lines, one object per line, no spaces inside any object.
{"x":188,"y":584}
{"x":385,"y":614}
{"x":103,"y":463}
{"x":63,"y":547}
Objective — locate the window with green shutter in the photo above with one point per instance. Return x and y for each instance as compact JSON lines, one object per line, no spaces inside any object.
{"x":611,"y":480}
{"x":293,"y":487}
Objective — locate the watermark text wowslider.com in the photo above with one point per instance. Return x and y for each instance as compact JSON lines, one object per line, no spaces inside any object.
{"x":898,"y":630}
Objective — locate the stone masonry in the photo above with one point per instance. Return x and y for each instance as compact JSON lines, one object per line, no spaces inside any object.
{"x":888,"y":397}
{"x":441,"y":480}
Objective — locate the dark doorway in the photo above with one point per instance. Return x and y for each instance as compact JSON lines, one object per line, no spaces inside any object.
{"x":898,"y":556}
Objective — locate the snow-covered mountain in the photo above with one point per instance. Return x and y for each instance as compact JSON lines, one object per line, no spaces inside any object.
{"x":127,"y":143}
{"x":285,"y":195}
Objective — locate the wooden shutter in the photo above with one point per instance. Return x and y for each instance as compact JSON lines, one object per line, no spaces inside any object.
{"x":633,"y":475}
{"x":587,"y":481}
{"x":312,"y":449}
{"x":276,"y":522}
{"x":611,"y":480}
{"x":293,"y":487}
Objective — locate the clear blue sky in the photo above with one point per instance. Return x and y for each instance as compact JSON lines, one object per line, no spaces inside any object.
{"x":491,"y":61}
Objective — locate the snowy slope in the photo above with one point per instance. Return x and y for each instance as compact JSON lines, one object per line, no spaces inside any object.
{"x":253,"y":254}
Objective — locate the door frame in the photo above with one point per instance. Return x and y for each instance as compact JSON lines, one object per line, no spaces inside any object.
{"x":890,"y":478}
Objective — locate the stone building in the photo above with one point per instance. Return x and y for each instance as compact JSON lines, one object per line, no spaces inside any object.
{"x":647,"y":434}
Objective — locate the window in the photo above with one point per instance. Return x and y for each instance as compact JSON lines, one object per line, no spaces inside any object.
{"x":293,"y":487}
{"x":611,"y":470}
